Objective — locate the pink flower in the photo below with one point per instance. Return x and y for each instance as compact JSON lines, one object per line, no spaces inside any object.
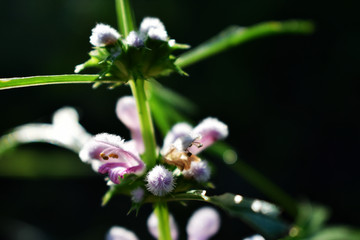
{"x":127,"y":113}
{"x":203,"y":224}
{"x":183,"y":142}
{"x":110,"y":154}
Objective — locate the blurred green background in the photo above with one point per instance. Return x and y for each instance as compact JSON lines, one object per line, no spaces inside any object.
{"x":291,"y":104}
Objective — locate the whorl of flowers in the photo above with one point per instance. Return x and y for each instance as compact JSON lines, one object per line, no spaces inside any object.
{"x":119,"y":56}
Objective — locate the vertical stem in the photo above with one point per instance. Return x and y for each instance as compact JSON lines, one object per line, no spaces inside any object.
{"x":126,"y":24}
{"x":162,"y":213}
{"x":146,"y":124}
{"x":124,"y":16}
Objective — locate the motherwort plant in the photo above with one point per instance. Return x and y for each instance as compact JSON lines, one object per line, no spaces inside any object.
{"x":169,"y":170}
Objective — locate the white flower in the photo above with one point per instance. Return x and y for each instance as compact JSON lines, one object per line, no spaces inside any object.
{"x":153,"y":28}
{"x":134,"y":40}
{"x":120,"y":233}
{"x":103,"y":35}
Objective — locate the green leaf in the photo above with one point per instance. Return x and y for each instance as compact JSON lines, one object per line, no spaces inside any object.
{"x":337,"y":233}
{"x":261,"y":215}
{"x":7,"y":83}
{"x":311,"y":217}
{"x":167,"y":107}
{"x":236,"y":35}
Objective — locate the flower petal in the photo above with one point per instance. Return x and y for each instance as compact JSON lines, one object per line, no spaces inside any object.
{"x":109,"y":154}
{"x":118,"y":170}
{"x":128,"y":115}
{"x":178,"y":131}
{"x":255,"y":237}
{"x":68,"y":130}
{"x":103,"y":35}
{"x":210,"y":130}
{"x":134,"y":40}
{"x":203,"y":224}
{"x":200,"y":171}
{"x":151,"y":23}
{"x":120,"y":233}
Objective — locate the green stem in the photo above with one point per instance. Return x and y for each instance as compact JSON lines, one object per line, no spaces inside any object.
{"x":162,"y":213}
{"x":124,"y":16}
{"x":146,"y":124}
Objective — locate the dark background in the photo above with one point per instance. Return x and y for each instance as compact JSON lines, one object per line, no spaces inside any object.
{"x":291,"y":103}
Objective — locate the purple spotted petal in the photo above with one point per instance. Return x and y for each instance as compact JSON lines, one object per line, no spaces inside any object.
{"x":118,"y":170}
{"x":203,"y":224}
{"x":127,"y":113}
{"x":210,"y":130}
{"x":109,"y":154}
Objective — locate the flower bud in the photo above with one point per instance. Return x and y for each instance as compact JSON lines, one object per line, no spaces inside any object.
{"x":153,"y":28}
{"x":160,"y":181}
{"x":134,"y":40}
{"x":137,"y":195}
{"x":200,"y":171}
{"x":103,"y":35}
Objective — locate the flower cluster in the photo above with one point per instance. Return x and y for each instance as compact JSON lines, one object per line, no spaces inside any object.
{"x":110,"y":154}
{"x":141,"y":54}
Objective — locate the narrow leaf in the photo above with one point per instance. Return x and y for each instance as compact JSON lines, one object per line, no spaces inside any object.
{"x":236,"y":35}
{"x":311,"y":217}
{"x":337,"y":233}
{"x":7,"y":83}
{"x":261,"y":215}
{"x":167,"y":107}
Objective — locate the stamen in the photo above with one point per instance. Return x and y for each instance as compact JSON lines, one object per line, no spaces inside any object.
{"x":104,"y":156}
{"x":197,"y":144}
{"x":113,"y":155}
